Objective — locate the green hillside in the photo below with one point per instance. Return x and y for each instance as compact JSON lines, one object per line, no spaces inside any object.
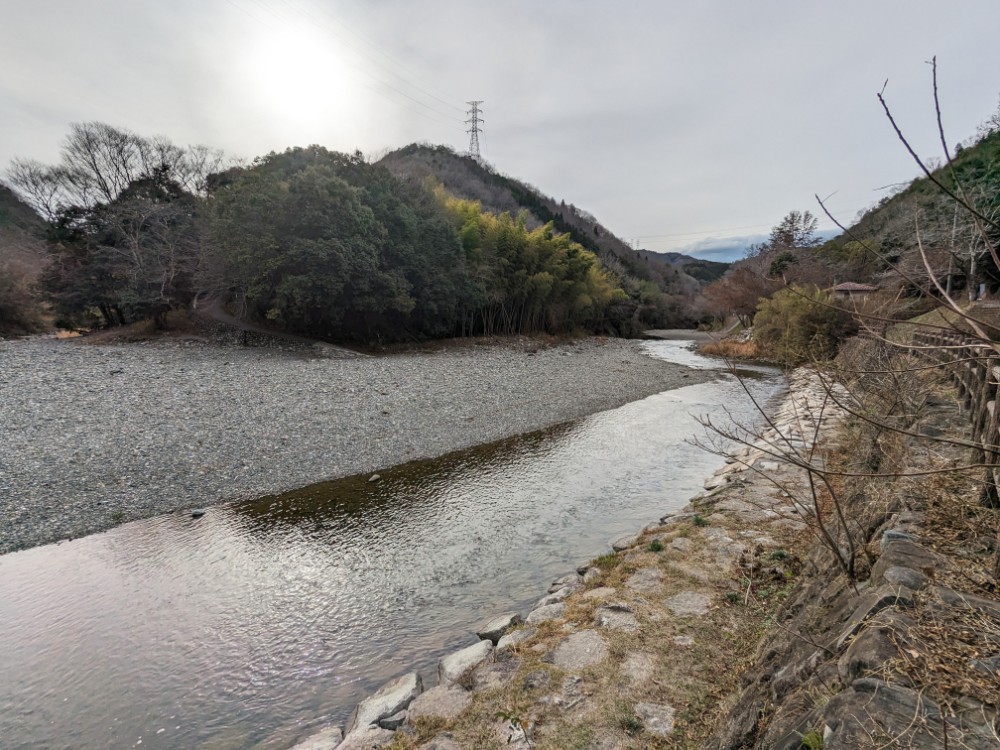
{"x":660,"y":295}
{"x":886,"y":239}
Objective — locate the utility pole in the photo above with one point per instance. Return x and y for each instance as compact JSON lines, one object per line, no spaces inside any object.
{"x":474,"y":122}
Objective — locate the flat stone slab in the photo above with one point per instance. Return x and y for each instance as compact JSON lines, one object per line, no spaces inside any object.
{"x":689,"y":603}
{"x":546,"y":613}
{"x":582,"y":649}
{"x":616,"y":617}
{"x":683,"y":640}
{"x":645,"y":580}
{"x":366,"y":739}
{"x":657,"y":718}
{"x":389,"y":699}
{"x":453,"y":666}
{"x":681,"y":544}
{"x":445,"y":702}
{"x":493,"y":675}
{"x":494,"y":629}
{"x":325,"y":739}
{"x":514,"y":638}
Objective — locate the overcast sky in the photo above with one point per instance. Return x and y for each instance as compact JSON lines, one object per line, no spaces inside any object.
{"x":685,"y":125}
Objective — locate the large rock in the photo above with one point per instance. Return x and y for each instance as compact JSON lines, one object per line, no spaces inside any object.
{"x":325,"y":739}
{"x":870,"y":604}
{"x":676,"y":517}
{"x":366,"y":739}
{"x":616,"y":617}
{"x":514,"y":638}
{"x":494,"y":675}
{"x":395,"y":721}
{"x":688,"y":603}
{"x":657,"y":718}
{"x":897,"y":575}
{"x":573,"y":580}
{"x":620,"y":545}
{"x":452,"y":667}
{"x":582,"y":649}
{"x":681,"y":544}
{"x":645,"y":580}
{"x":555,"y":597}
{"x":493,"y":630}
{"x":443,"y":702}
{"x":546,"y":613}
{"x":869,"y":651}
{"x":390,"y":699}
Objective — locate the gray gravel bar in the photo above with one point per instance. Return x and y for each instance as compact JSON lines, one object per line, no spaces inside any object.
{"x":93,"y":436}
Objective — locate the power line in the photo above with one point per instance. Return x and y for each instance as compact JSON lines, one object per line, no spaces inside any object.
{"x":473,"y":131}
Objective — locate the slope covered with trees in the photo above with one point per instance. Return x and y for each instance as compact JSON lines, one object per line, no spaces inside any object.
{"x":931,"y":242}
{"x":658,"y":294}
{"x":22,"y":260}
{"x":309,"y":240}
{"x":883,"y":245}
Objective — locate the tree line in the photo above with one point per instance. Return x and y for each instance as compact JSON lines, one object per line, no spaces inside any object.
{"x":309,"y":240}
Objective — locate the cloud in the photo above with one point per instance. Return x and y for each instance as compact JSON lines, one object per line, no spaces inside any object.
{"x":728,"y":249}
{"x":721,"y":249}
{"x":629,"y":112}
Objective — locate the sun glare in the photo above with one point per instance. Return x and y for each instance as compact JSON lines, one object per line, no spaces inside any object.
{"x":300,"y":80}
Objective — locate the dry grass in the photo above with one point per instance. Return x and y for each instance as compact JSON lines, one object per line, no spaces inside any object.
{"x":731,"y":349}
{"x":179,"y":324}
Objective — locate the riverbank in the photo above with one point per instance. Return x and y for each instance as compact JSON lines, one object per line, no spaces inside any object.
{"x":730,"y":624}
{"x":639,"y":647}
{"x":94,"y":436}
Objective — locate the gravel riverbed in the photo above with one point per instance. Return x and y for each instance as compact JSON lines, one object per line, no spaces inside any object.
{"x":93,"y":436}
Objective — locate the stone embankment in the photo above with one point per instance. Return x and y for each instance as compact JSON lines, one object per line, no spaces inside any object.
{"x":639,"y":648}
{"x":907,"y":654}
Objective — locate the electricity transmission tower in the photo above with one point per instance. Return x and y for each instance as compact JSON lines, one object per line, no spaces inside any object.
{"x":474,"y":122}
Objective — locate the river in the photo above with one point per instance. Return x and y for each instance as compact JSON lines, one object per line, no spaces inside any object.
{"x":260,"y":622}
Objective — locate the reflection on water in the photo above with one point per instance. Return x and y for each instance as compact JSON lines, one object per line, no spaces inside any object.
{"x":258,"y":623}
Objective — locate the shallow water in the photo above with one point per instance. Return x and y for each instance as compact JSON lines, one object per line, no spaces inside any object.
{"x":261,"y":622}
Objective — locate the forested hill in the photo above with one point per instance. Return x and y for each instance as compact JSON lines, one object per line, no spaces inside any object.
{"x":424,"y":244}
{"x":664,"y":294}
{"x":17,"y":213}
{"x":22,"y":259}
{"x":884,"y":240}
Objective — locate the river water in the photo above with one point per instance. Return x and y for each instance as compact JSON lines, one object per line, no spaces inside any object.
{"x":260,"y":622}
